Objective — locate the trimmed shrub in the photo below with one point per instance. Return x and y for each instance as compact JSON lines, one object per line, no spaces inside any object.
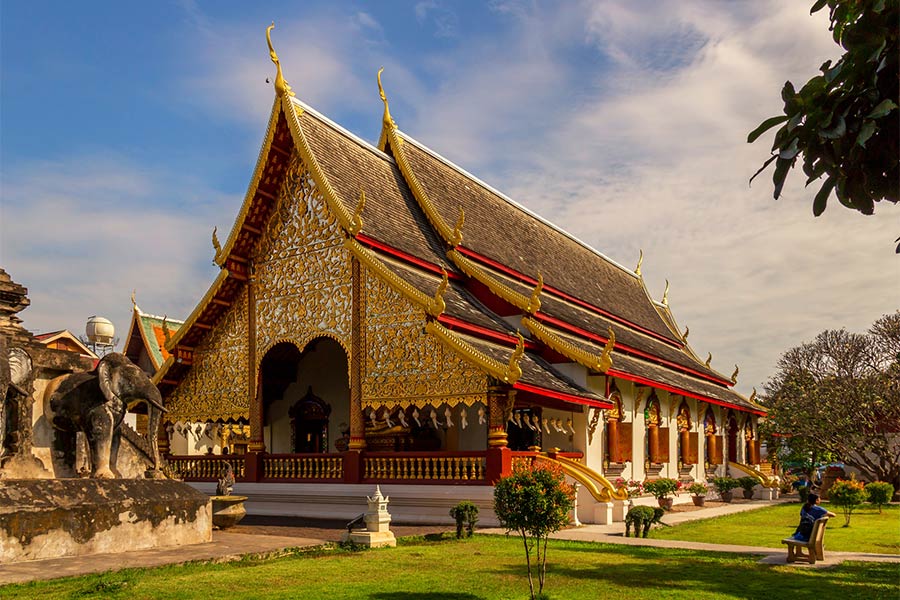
{"x":848,"y":494}
{"x":880,"y":493}
{"x":725,"y":484}
{"x":466,"y":515}
{"x":748,"y":483}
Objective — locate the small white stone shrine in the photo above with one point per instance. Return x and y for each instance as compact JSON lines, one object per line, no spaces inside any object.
{"x":377,"y":533}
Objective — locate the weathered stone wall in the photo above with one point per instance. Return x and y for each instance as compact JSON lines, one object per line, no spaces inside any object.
{"x":49,"y":518}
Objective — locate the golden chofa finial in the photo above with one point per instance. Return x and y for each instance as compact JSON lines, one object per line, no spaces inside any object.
{"x":133,"y":301}
{"x":387,"y":120}
{"x":708,"y":360}
{"x":687,"y":331}
{"x":534,"y":302}
{"x":281,"y":85}
{"x":356,"y":224}
{"x":437,"y":306}
{"x":457,"y":229}
{"x":637,"y":269}
{"x":513,"y":369}
{"x":606,"y":359}
{"x":734,"y":375}
{"x":665,"y":299}
{"x":215,"y":241}
{"x":753,"y":396}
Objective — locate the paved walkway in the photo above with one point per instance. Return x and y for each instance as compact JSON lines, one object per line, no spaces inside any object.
{"x":271,"y":540}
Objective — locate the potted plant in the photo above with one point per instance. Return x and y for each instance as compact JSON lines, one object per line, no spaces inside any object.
{"x":724,"y":485}
{"x":661,"y":488}
{"x":698,"y":493}
{"x":748,"y":483}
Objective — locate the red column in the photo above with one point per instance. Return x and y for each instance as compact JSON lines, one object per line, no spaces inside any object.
{"x":612,"y":440}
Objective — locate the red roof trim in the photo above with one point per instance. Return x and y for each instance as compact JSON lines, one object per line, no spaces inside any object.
{"x":547,"y":288}
{"x":628,"y":349}
{"x":405,"y":257}
{"x":561,"y":395}
{"x":669,"y":388}
{"x":483,"y":332}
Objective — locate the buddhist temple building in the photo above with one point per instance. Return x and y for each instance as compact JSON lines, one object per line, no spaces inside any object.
{"x":383,"y":316}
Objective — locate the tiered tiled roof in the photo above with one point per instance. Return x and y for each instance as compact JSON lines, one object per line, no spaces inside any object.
{"x":411,"y":233}
{"x":147,"y":336}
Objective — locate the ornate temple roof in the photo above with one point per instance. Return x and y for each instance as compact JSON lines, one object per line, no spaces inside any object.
{"x":147,"y":336}
{"x":475,"y":261}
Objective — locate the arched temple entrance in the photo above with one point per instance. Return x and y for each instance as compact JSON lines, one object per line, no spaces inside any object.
{"x":305,"y":397}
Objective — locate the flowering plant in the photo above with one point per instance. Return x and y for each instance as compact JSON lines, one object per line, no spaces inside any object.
{"x":698,"y":489}
{"x":635,"y":488}
{"x":662,"y":487}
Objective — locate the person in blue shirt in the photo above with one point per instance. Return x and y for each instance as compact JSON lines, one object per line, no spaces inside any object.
{"x":809,"y":514}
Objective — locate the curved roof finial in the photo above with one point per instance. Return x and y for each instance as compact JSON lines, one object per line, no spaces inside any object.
{"x":637,"y":269}
{"x":709,"y":359}
{"x":734,"y":375}
{"x":665,"y":299}
{"x":357,"y":223}
{"x":753,"y":396}
{"x":606,"y":359}
{"x":386,"y":119}
{"x":687,"y":331}
{"x":133,"y":301}
{"x":281,"y":85}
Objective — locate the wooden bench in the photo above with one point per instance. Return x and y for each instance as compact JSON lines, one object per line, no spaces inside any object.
{"x":814,"y":549}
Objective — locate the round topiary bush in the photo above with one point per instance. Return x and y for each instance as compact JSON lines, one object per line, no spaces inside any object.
{"x":880,"y":493}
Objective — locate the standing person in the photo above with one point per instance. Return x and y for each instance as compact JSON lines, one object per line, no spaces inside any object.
{"x":810,"y":512}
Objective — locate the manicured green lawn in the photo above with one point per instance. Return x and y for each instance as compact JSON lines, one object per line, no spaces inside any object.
{"x":484,"y":567}
{"x":766,"y":527}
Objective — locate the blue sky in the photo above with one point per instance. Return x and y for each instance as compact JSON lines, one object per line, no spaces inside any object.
{"x":129,"y":130}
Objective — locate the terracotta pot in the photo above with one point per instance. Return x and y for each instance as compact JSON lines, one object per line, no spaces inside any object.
{"x":727,"y":496}
{"x":748,"y":494}
{"x":699,"y":500}
{"x":228,"y":510}
{"x":665,"y":503}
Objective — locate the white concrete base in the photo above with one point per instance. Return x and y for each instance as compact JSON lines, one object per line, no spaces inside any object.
{"x":372,"y":539}
{"x":764,"y":493}
{"x":410,"y":504}
{"x":603,"y":513}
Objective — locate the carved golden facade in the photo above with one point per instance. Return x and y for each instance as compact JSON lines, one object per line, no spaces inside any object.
{"x":303,"y":272}
{"x":216,"y":386}
{"x":404,"y":365}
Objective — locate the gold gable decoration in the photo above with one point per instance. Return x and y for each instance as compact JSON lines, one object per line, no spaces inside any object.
{"x":404,"y":365}
{"x":303,"y":272}
{"x":216,"y":386}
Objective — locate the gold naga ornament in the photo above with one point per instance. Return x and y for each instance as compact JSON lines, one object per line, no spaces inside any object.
{"x":282,"y":87}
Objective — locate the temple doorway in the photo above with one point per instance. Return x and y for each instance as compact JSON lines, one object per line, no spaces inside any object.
{"x":306,"y":397}
{"x":732,"y":428}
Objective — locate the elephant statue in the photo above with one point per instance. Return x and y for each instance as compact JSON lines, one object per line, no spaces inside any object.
{"x":96,"y":402}
{"x":15,"y":376}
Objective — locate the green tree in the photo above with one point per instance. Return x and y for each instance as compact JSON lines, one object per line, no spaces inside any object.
{"x":845,"y":122}
{"x":849,"y":494}
{"x":880,"y":493}
{"x":840,"y":394}
{"x":534,"y":501}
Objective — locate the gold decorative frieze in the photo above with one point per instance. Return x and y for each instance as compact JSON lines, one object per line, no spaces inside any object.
{"x":595,"y":362}
{"x":216,"y":385}
{"x":524,"y":303}
{"x":303,"y":272}
{"x":433,"y":305}
{"x":292,"y":112}
{"x":507,"y":373}
{"x":406,"y":366}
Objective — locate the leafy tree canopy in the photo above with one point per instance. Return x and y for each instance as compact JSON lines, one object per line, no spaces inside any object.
{"x":845,"y":122}
{"x":839,"y":396}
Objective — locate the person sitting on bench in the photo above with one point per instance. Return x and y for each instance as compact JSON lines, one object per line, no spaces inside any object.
{"x":809,"y":514}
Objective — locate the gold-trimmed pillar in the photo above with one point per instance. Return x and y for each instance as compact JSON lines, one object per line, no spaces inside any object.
{"x":357,"y":351}
{"x":254,"y":397}
{"x":500,"y":402}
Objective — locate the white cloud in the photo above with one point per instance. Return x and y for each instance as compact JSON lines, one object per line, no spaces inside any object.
{"x":82,"y":233}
